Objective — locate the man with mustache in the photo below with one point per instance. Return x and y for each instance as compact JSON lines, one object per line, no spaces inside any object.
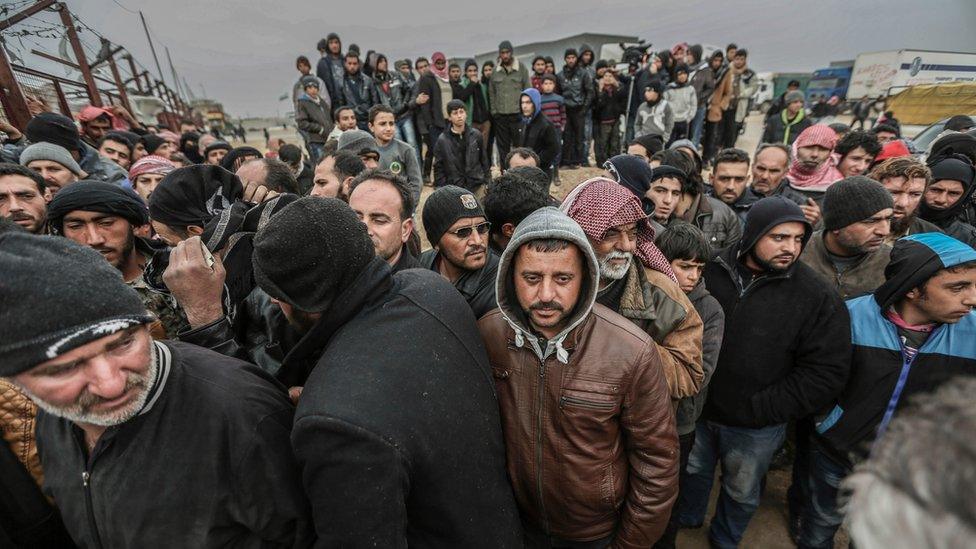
{"x":905,"y":179}
{"x":730,"y":178}
{"x":22,"y":193}
{"x":55,"y":164}
{"x":636,"y":279}
{"x":457,"y":229}
{"x":907,"y":340}
{"x":588,"y":425}
{"x":106,"y":218}
{"x":850,"y":252}
{"x":191,"y":445}
{"x":785,"y":355}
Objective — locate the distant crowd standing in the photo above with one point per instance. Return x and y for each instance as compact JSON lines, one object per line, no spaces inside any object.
{"x":206,"y":346}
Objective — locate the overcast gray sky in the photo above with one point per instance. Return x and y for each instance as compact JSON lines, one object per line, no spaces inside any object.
{"x":243,"y":51}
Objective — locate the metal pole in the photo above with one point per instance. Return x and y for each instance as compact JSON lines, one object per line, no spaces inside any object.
{"x":135,"y":74}
{"x":123,"y":94}
{"x":93,"y":94}
{"x":13,"y":100}
{"x":18,"y":17}
{"x":151,"y":47}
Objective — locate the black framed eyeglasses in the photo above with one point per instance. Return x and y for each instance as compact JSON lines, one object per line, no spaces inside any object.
{"x":465,"y":232}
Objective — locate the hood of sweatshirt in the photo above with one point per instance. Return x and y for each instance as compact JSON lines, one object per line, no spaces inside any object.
{"x":766,"y":214}
{"x":542,"y":224}
{"x":536,"y":98}
{"x":917,"y":258}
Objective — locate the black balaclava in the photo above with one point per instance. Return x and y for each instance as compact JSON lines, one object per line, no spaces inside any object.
{"x":955,"y":167}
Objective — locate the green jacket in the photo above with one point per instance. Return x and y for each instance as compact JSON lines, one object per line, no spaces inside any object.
{"x":505,"y":88}
{"x":862,"y":278}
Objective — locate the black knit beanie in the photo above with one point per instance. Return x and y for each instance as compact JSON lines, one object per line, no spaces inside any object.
{"x":444,"y":207}
{"x":853,"y":199}
{"x":53,"y":128}
{"x":310,"y":252}
{"x":81,"y":299}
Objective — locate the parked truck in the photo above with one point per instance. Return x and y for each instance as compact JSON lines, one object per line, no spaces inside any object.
{"x":773,"y":84}
{"x":829,"y":82}
{"x":882,"y":73}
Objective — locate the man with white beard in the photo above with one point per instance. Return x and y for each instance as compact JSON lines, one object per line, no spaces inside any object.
{"x":191,"y":446}
{"x":636,"y":279}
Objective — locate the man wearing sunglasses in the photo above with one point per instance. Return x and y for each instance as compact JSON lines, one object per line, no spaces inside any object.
{"x":457,"y":228}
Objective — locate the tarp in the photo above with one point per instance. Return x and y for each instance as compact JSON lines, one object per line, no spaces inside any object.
{"x":923,"y":105}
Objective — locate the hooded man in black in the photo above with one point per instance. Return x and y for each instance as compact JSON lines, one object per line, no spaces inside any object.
{"x":785,"y":355}
{"x":329,"y":67}
{"x":948,"y":195}
{"x":535,"y":131}
{"x":399,"y":446}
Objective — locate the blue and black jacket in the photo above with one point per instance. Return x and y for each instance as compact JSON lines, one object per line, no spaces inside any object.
{"x":883,"y":375}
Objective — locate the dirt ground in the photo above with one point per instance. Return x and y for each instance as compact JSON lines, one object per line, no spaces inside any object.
{"x":768,"y":529}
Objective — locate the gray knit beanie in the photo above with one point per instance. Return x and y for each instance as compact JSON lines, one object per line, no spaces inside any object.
{"x":444,"y":207}
{"x":356,"y":141}
{"x":82,"y":298}
{"x":53,"y":153}
{"x":794,"y":95}
{"x":853,"y":199}
{"x":310,"y":252}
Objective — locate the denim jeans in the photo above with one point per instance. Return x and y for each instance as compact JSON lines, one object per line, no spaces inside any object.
{"x":744,"y":455}
{"x":821,"y":513}
{"x":697,"y":124}
{"x":405,"y":132}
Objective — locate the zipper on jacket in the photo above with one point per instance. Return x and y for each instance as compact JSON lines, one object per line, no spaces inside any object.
{"x":586,"y":403}
{"x":86,"y":482}
{"x":538,"y":445}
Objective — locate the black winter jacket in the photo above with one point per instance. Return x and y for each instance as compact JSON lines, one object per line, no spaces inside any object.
{"x":359,"y":93}
{"x":540,"y":136}
{"x":576,"y":87}
{"x":477,"y":287}
{"x":313,"y":118}
{"x":397,"y":430}
{"x":786,"y":349}
{"x":461,"y":160}
{"x":206,"y":463}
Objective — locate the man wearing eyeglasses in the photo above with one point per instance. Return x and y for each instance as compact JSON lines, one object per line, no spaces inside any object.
{"x":457,"y":229}
{"x":730,"y":175}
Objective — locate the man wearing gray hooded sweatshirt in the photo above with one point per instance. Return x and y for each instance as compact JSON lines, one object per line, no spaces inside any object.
{"x":589,"y":430}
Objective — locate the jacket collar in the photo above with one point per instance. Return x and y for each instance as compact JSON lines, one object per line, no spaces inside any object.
{"x":370,"y":286}
{"x":637,"y":301}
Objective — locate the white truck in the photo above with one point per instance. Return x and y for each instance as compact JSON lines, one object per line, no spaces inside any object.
{"x":879,"y":74}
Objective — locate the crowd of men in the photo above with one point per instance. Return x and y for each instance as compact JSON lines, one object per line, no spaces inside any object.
{"x":202,"y":346}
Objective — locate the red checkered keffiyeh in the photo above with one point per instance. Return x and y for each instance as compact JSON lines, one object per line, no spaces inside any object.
{"x":599,"y":204}
{"x":150,"y":164}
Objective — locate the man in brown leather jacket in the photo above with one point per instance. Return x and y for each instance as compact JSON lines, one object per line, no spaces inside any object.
{"x":589,"y":429}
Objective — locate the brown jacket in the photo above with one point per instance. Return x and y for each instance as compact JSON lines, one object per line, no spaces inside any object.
{"x":721,"y":98}
{"x":590,"y":435}
{"x":655,"y":303}
{"x":17,"y":418}
{"x":859,"y":279}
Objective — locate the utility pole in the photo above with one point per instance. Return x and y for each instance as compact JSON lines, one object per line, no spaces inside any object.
{"x":176,"y":79}
{"x":151,"y":47}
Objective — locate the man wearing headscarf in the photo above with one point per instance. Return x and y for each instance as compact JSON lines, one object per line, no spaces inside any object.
{"x":432,"y":93}
{"x":147,"y":172}
{"x":814,"y":168}
{"x":636,"y":279}
{"x":948,"y":195}
{"x":905,"y":342}
{"x":105,"y":218}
